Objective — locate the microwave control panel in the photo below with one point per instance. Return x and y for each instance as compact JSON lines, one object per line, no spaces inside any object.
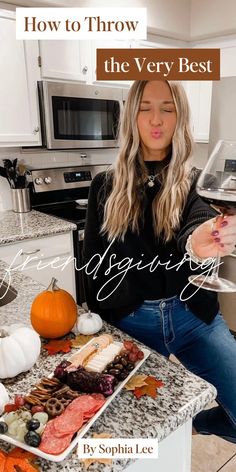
{"x":81,"y":176}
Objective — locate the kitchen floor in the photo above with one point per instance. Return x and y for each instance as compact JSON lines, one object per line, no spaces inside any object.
{"x":210,"y":453}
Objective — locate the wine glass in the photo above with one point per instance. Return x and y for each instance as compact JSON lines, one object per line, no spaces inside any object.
{"x":217,"y":185}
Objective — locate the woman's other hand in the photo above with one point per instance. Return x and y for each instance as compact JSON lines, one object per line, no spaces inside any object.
{"x":216,"y":236}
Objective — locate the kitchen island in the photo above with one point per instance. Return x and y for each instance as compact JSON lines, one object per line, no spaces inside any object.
{"x":167,"y":418}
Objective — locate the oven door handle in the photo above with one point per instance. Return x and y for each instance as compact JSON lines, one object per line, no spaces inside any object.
{"x":28,"y":253}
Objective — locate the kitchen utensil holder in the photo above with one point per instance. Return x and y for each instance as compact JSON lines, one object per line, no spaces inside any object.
{"x":21,"y":200}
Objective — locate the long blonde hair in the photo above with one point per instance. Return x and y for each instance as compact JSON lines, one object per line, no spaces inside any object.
{"x":124,"y":207}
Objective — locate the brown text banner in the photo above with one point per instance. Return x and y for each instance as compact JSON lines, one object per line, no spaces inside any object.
{"x":158,"y":64}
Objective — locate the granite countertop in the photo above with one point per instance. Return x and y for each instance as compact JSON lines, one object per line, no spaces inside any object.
{"x":181,"y":398}
{"x":34,"y":224}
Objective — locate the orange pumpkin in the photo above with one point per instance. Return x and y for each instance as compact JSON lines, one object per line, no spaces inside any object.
{"x":53,"y":312}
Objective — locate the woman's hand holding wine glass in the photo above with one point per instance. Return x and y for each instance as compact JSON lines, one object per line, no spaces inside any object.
{"x":216,"y":237}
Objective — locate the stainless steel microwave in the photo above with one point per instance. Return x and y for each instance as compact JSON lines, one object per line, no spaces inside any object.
{"x":79,"y":116}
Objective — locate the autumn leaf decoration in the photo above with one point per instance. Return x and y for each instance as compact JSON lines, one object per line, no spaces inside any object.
{"x":81,"y":339}
{"x":57,"y":345}
{"x":142,"y":385}
{"x":17,"y":460}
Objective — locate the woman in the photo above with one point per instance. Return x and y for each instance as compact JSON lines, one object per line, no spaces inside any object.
{"x":143,"y":215}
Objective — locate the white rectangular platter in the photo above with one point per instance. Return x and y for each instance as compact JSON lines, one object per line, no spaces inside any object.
{"x":85,"y":428}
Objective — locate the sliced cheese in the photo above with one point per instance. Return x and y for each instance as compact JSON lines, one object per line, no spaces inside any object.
{"x":100,"y":360}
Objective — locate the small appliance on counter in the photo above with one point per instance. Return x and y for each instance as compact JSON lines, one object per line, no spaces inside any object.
{"x":63,"y":192}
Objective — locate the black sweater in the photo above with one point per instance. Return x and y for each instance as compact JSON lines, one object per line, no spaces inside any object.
{"x":124,"y":294}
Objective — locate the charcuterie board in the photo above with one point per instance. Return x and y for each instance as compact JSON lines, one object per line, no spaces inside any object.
{"x":85,"y":427}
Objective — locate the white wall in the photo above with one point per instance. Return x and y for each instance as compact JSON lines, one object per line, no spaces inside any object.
{"x":212,"y":18}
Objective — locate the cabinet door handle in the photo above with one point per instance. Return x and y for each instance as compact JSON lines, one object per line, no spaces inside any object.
{"x":28,"y":253}
{"x":36,"y":130}
{"x":85,"y":70}
{"x":81,"y":235}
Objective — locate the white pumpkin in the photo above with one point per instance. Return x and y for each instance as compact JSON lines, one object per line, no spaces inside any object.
{"x":19,"y":349}
{"x":4,"y":398}
{"x":88,"y":323}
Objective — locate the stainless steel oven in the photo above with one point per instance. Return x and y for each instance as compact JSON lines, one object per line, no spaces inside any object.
{"x":63,"y":192}
{"x":79,"y":116}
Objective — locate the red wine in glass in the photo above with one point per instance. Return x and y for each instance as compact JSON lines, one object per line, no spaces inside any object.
{"x":223,"y":200}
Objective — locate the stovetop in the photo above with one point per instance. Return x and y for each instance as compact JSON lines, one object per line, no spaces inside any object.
{"x":70,"y":211}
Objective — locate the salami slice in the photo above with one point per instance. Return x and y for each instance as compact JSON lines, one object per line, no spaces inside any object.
{"x":98,"y":396}
{"x":87,"y":403}
{"x":89,"y":414}
{"x":99,"y":400}
{"x":68,"y":422}
{"x":83,"y":403}
{"x":50,"y":443}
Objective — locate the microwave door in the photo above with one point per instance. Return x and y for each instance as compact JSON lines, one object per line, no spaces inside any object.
{"x":81,"y":122}
{"x":85,"y":122}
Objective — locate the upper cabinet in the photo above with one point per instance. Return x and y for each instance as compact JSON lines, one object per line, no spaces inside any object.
{"x":74,"y":60}
{"x":66,"y":60}
{"x":227,"y":61}
{"x":199,"y":97}
{"x":19,"y":71}
{"x":115,"y":44}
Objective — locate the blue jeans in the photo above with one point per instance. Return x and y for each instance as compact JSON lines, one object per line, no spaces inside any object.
{"x":209,"y":351}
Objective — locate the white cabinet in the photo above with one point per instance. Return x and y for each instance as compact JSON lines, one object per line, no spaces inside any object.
{"x":65,"y":60}
{"x":115,"y":44}
{"x":227,"y":46}
{"x":75,"y":60}
{"x":19,"y":72}
{"x":227,"y":62}
{"x":44,"y":258}
{"x":199,"y":95}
